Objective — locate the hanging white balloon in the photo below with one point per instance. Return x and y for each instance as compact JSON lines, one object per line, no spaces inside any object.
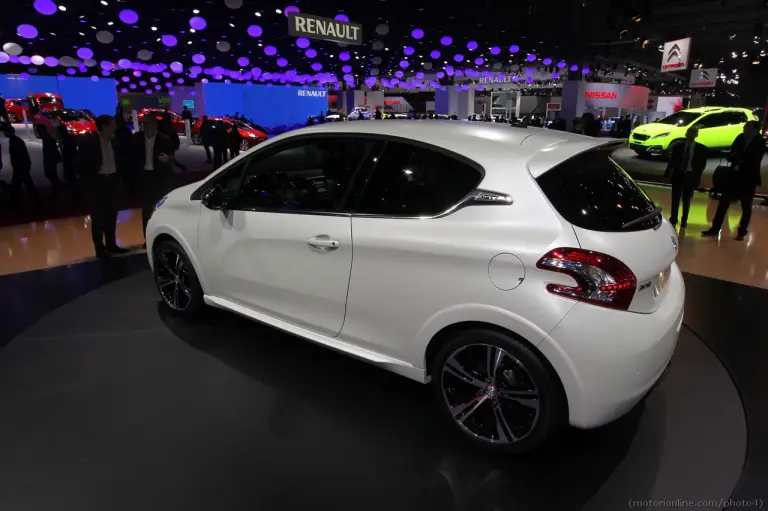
{"x":497,"y":65}
{"x":515,"y":67}
{"x":374,"y":71}
{"x":90,"y":62}
{"x":69,"y":61}
{"x":223,"y":46}
{"x":12,"y":49}
{"x":38,"y":60}
{"x":104,"y":37}
{"x":377,"y":45}
{"x":427,"y":65}
{"x":233,"y":4}
{"x":144,"y":55}
{"x":382,"y":29}
{"x":376,"y":60}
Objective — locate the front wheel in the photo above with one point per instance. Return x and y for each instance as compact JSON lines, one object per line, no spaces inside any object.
{"x":176,"y":279}
{"x":195,"y":138}
{"x":244,"y":145}
{"x":12,"y":118}
{"x":497,"y":392}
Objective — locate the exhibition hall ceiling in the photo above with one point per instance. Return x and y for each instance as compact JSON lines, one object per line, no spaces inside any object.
{"x":249,"y":41}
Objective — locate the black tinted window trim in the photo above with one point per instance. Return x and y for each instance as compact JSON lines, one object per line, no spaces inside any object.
{"x":473,"y":198}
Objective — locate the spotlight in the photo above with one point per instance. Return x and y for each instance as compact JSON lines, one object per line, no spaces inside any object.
{"x":732,"y":36}
{"x":638,"y":19}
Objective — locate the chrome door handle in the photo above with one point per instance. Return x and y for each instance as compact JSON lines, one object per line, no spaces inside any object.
{"x":323,"y":243}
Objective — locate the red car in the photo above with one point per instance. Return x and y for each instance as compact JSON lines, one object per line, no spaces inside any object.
{"x":176,"y":120}
{"x":16,"y":109}
{"x":45,"y":101}
{"x":78,"y":123}
{"x":249,"y":135}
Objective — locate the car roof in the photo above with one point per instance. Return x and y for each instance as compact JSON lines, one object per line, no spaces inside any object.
{"x":492,"y":145}
{"x":708,"y":109}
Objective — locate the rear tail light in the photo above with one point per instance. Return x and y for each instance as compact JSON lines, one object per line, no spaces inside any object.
{"x":600,"y":279}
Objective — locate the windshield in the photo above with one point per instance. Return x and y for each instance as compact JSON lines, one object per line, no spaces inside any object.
{"x":73,"y":116}
{"x":48,"y":99}
{"x":680,"y":118}
{"x":243,"y":126}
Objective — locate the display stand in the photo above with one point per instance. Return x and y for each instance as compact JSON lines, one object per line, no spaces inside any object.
{"x":30,"y":129}
{"x":187,"y":132}
{"x":135,"y":123}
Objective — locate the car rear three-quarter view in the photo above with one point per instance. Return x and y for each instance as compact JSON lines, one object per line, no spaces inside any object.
{"x":520,"y":272}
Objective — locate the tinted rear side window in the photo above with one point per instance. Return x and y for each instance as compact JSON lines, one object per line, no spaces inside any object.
{"x":592,"y":192}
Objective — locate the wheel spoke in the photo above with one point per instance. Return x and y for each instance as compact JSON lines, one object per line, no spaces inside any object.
{"x":502,"y":426}
{"x":453,"y":367}
{"x":186,"y":290}
{"x":164,"y":261}
{"x":463,"y":411}
{"x":528,"y":398}
{"x":494,"y":358}
{"x":176,"y":297}
{"x":163,"y":283}
{"x":179,"y":264}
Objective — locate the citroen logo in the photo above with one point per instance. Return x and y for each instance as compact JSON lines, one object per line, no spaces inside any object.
{"x":674,"y":52}
{"x":674,"y":243}
{"x":703,"y":75}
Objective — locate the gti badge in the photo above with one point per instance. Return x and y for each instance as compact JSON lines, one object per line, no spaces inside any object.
{"x":674,"y":243}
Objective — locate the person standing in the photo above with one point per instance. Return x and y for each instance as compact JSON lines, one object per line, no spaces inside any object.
{"x":686,"y":165}
{"x":745,"y":156}
{"x":154,"y":151}
{"x":98,"y":176}
{"x":233,"y":141}
{"x":219,"y":141}
{"x":206,"y":137}
{"x":166,"y":128}
{"x":22,"y":167}
{"x":186,"y":114}
{"x":51,"y":158}
{"x":3,"y":110}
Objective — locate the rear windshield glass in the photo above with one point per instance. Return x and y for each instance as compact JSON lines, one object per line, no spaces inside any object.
{"x":592,"y":192}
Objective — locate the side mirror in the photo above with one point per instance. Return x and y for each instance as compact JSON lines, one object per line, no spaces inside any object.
{"x":215,"y":198}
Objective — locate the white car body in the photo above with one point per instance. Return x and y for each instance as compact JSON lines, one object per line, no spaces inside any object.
{"x":412,"y":278}
{"x":359,"y":113}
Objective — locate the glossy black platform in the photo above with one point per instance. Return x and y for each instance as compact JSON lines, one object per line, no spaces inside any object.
{"x":109,"y":403}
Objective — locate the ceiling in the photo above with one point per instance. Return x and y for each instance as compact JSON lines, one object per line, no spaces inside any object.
{"x":597,"y":34}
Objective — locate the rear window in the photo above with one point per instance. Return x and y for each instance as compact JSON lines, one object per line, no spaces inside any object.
{"x":592,"y":192}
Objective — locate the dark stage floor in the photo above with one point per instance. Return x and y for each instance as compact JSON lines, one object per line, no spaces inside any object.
{"x":109,"y":403}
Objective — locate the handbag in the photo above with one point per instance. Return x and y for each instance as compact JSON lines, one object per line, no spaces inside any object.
{"x":721,"y":179}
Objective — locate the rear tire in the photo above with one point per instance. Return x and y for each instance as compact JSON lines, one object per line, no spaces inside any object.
{"x":497,"y":392}
{"x":176,"y":279}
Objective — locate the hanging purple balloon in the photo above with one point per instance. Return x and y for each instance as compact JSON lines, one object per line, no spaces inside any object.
{"x":282,"y":62}
{"x":255,"y":31}
{"x":26,"y":31}
{"x":574,"y":67}
{"x":169,"y":40}
{"x":317,"y":66}
{"x":198,"y":23}
{"x":85,"y":53}
{"x":346,"y":69}
{"x":479,"y":61}
{"x":514,"y":48}
{"x":198,"y":58}
{"x":341,"y":17}
{"x":46,"y":7}
{"x":4,"y":57}
{"x":302,"y":42}
{"x":94,"y":78}
{"x":311,"y":53}
{"x":547,"y":61}
{"x":270,"y":50}
{"x":440,"y":74}
{"x":529,"y":80}
{"x":399,"y":74}
{"x":435,"y":54}
{"x":51,"y":61}
{"x":71,"y":71}
{"x":105,"y":64}
{"x":515,"y":78}
{"x":123,"y":90}
{"x":446,"y":40}
{"x":291,"y":8}
{"x":528,"y":71}
{"x":417,"y":33}
{"x":143,"y":83}
{"x":124,"y":64}
{"x":25,"y":60}
{"x":128,"y":16}
{"x":137,"y":73}
{"x":132,"y":86}
{"x":180,"y":81}
{"x":458,"y":57}
{"x":126,"y":79}
{"x":408,"y":50}
{"x":531,"y":57}
{"x":555,"y":76}
{"x":148,"y":92}
{"x":243,"y":61}
{"x":176,"y":67}
{"x":404,"y":64}
{"x":153,"y":79}
{"x":344,"y":56}
{"x":561,"y":64}
{"x":585,"y":71}
{"x":420,"y":75}
{"x":495,"y":50}
{"x":472,"y":45}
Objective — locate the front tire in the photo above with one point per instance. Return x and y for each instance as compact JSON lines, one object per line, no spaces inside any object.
{"x":244,"y":145}
{"x":195,"y":138}
{"x":497,"y":392}
{"x":12,"y":118}
{"x":176,"y":279}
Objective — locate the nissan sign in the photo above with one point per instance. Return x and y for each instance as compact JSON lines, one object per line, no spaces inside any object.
{"x":675,"y":54}
{"x":327,"y":29}
{"x":704,"y":77}
{"x":602,"y":95}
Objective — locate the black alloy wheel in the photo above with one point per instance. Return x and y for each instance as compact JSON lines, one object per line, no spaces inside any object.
{"x":12,"y":118}
{"x":244,"y":145}
{"x":497,"y":391}
{"x":176,"y":279}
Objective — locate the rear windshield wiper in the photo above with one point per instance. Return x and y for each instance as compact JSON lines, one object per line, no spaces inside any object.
{"x":656,"y":211}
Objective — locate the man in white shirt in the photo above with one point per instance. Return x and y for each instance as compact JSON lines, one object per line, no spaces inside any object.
{"x":155,"y":151}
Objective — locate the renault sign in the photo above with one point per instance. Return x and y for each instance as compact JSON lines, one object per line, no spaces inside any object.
{"x":327,"y":29}
{"x":675,"y":55}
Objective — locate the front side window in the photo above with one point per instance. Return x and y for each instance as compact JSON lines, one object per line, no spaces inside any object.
{"x":310,"y":176}
{"x":714,"y":121}
{"x":680,"y":118}
{"x":411,"y":181}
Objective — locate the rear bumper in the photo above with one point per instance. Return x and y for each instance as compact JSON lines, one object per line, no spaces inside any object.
{"x":609,"y":360}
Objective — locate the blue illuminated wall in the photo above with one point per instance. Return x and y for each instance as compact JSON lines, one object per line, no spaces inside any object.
{"x":99,"y":97}
{"x":266,"y":106}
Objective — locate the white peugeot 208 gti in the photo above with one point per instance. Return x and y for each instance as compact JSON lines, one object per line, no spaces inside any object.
{"x":519,"y":271}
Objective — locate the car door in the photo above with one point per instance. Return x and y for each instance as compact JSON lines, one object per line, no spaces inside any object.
{"x":283,"y":247}
{"x":718,"y":130}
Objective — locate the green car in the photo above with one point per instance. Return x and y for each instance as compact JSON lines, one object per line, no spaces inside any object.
{"x":718,"y":127}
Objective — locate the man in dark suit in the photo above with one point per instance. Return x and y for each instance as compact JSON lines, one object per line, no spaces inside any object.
{"x":22,"y":167}
{"x":97,"y":166}
{"x":154,"y":157}
{"x":745,"y":156}
{"x":686,"y":164}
